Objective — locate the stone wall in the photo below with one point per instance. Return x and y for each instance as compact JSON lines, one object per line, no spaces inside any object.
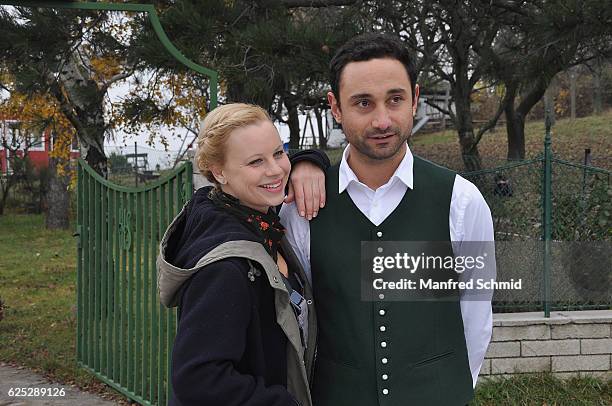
{"x":566,"y":344}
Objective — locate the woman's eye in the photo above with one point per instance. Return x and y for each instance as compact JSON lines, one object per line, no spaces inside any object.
{"x":256,"y":162}
{"x":279,"y":154}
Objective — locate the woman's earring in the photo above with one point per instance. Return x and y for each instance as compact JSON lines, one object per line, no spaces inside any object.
{"x":222,"y":181}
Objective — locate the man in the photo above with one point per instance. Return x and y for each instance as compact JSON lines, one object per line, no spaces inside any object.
{"x":382,"y":352}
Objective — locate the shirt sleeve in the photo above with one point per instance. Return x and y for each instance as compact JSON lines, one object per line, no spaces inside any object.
{"x":211,"y":338}
{"x":315,"y":156}
{"x":471,"y":227}
{"x":297,"y":231}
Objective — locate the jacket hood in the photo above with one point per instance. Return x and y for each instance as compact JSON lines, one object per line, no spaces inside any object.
{"x":199,"y":228}
{"x":200,"y":234}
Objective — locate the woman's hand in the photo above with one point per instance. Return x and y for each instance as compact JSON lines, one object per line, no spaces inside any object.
{"x":307,"y":189}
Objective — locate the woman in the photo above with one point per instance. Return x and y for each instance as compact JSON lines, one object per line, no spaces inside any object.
{"x":246,"y":330}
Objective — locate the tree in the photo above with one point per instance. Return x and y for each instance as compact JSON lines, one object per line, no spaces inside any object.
{"x":539,"y":39}
{"x":38,"y":113}
{"x":59,"y":53}
{"x":17,"y":149}
{"x":274,"y":54}
{"x":445,"y":36}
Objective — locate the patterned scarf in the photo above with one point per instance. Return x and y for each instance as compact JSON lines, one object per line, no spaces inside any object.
{"x":266,"y":226}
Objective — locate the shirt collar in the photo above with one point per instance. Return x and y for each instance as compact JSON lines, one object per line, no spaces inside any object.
{"x":403,"y":171}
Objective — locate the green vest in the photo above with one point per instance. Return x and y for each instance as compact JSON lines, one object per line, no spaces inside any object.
{"x":423,"y":360}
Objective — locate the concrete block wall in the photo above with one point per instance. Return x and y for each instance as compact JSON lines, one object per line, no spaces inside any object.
{"x":566,"y":344}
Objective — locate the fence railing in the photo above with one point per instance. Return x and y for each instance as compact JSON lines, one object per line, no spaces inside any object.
{"x":124,"y":335}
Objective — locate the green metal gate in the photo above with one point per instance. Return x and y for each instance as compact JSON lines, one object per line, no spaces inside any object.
{"x":124,"y":335}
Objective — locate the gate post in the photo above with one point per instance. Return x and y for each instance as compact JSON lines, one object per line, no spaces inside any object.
{"x":547,"y":213}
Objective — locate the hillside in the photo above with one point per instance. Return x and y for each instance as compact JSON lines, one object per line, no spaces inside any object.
{"x":569,"y":140}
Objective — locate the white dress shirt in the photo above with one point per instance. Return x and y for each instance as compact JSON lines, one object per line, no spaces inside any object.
{"x":469,"y":220}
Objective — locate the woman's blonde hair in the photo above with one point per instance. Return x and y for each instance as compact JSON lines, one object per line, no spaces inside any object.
{"x":216,"y":129}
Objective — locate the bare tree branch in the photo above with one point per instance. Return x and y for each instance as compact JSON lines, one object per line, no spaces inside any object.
{"x":439,"y":108}
{"x":116,"y":78}
{"x":493,"y":121}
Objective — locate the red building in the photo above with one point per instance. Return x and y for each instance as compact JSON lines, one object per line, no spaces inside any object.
{"x":37,"y":146}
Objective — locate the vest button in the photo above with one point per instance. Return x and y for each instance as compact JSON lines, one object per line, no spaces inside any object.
{"x":381,"y":312}
{"x":309,"y":301}
{"x":384,"y":360}
{"x":382,"y":328}
{"x":379,"y":234}
{"x":383,"y":344}
{"x":381,"y":296}
{"x":385,"y":377}
{"x":380,"y":249}
{"x":385,"y":391}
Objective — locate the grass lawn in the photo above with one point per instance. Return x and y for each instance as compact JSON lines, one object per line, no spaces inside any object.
{"x":38,"y":288}
{"x":37,"y":284}
{"x":543,"y":390}
{"x":569,"y":140}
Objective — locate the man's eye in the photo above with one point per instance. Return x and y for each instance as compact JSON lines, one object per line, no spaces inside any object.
{"x":256,"y":162}
{"x":396,"y":99}
{"x":363,"y":103}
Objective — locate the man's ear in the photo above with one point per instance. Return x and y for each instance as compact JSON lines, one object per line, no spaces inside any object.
{"x":335,"y":107}
{"x":415,"y":100}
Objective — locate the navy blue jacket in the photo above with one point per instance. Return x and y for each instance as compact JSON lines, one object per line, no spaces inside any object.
{"x":229,"y":349}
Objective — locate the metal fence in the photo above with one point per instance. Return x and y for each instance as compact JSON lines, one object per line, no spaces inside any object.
{"x":543,"y":203}
{"x":124,"y":335}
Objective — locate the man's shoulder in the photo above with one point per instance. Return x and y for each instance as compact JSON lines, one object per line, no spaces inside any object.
{"x":431,"y":177}
{"x":467,"y":195}
{"x":467,"y":187}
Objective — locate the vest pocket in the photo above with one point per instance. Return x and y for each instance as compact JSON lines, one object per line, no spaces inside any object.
{"x":432,"y":359}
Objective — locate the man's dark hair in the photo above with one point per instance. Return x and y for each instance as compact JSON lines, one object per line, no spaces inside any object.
{"x":370,"y":46}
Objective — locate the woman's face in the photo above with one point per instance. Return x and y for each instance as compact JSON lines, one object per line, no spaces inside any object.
{"x":256,"y":167}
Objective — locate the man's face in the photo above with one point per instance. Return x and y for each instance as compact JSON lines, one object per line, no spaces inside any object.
{"x":375,"y":107}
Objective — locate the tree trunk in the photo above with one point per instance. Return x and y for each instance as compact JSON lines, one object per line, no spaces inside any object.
{"x":515,"y":116}
{"x":58,"y":199}
{"x":6,"y":188}
{"x":597,"y":90}
{"x":465,"y":128}
{"x":322,"y":138}
{"x":549,"y":105}
{"x":515,"y":125}
{"x":82,"y":102}
{"x":293,"y":122}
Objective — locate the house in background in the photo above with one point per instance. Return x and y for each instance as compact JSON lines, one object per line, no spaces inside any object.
{"x":38,"y":146}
